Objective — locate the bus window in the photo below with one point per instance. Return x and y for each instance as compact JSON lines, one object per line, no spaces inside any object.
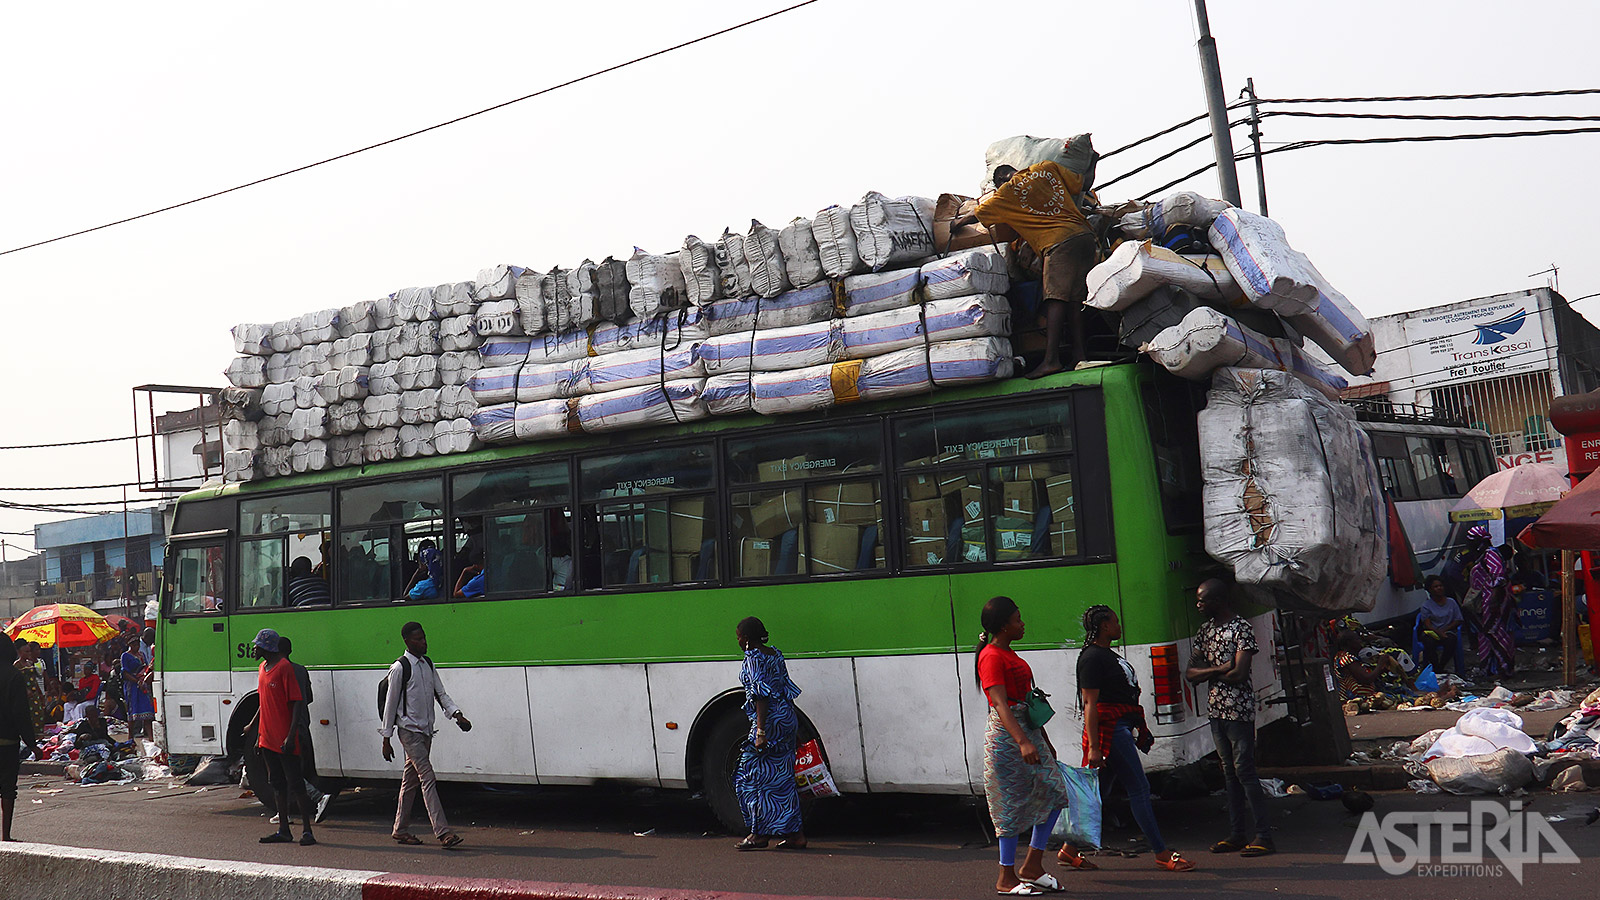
{"x":283,"y":550}
{"x":197,"y":580}
{"x":1035,"y":517}
{"x":1394,"y":465}
{"x":649,"y":516}
{"x":813,"y":506}
{"x":1425,"y":463}
{"x":1170,"y":413}
{"x":514,"y":529}
{"x":391,"y":542}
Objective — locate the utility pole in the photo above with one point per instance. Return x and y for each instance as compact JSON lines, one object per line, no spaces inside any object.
{"x":1211,"y":71}
{"x":1255,"y":139}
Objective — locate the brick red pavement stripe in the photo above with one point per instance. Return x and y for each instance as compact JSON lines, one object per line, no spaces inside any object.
{"x":438,"y":887}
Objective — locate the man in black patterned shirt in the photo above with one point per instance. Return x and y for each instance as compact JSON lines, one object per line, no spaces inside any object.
{"x":1223,"y":649}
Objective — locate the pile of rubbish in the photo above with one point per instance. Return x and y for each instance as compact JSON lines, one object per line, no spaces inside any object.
{"x":105,"y":761}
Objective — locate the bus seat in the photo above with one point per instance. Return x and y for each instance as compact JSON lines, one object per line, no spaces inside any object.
{"x":788,"y":562}
{"x":705,"y":570}
{"x":869,"y":544}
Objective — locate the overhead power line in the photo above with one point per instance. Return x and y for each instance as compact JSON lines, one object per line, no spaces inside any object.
{"x":70,"y":487}
{"x":421,"y":131}
{"x":1504,"y":95}
{"x":1422,"y":117}
{"x":126,"y":437}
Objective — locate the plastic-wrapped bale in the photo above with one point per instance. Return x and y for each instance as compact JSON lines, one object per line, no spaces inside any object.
{"x":655,"y":283}
{"x":498,"y":318}
{"x":240,"y":435}
{"x":492,"y":386}
{"x":647,"y":365}
{"x":306,"y":393}
{"x":380,"y":411}
{"x":413,"y":304}
{"x":981,"y":315}
{"x":346,"y":450}
{"x":456,"y":334}
{"x":611,"y":290}
{"x":242,"y":404}
{"x":281,"y":368}
{"x":238,"y":465}
{"x":894,"y":232}
{"x":383,"y":313}
{"x":901,"y":373}
{"x":1291,"y":495}
{"x":277,"y":398}
{"x":768,"y":275}
{"x":309,"y":424}
{"x":504,"y":351}
{"x":454,"y":436}
{"x":496,"y":283}
{"x":456,"y":402}
{"x":732,"y":265}
{"x":545,"y":419}
{"x":252,"y":340}
{"x":309,"y":456}
{"x":417,"y":339}
{"x":1276,"y":276}
{"x":801,"y":306}
{"x":274,"y":462}
{"x":416,"y":440}
{"x":1137,"y":268}
{"x":383,"y":344}
{"x":667,"y":330}
{"x":550,"y":347}
{"x":545,"y":381}
{"x":381,"y":445}
{"x":383,"y":378}
{"x":285,"y":336}
{"x":359,"y":317}
{"x":585,"y":290}
{"x":454,"y":299}
{"x":642,"y":406}
{"x":495,"y":424}
{"x":458,"y":367}
{"x":318,"y":327}
{"x":728,"y":395}
{"x":332,"y":390}
{"x":1142,"y":320}
{"x":802,"y":261}
{"x":530,"y":303}
{"x":878,"y":291}
{"x":344,"y":417}
{"x":981,"y":270}
{"x":836,"y":242}
{"x":970,"y":361}
{"x":414,"y":373}
{"x":247,"y":371}
{"x":556,"y":295}
{"x":773,"y":349}
{"x":1185,"y":208}
{"x":351,"y":351}
{"x":1075,"y":154}
{"x":273,"y":431}
{"x":317,"y":358}
{"x":1207,"y":340}
{"x":701,"y":275}
{"x":419,"y":406}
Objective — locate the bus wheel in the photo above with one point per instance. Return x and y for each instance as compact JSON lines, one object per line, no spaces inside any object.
{"x":255,"y":772}
{"x":719,"y":761}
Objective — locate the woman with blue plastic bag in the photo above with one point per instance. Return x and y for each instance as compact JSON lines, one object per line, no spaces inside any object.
{"x":768,"y":794}
{"x":1021,"y":779}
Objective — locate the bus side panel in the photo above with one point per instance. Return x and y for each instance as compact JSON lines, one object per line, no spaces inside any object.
{"x":596,"y":720}
{"x":678,"y":694}
{"x":911,"y":722}
{"x":829,"y":699}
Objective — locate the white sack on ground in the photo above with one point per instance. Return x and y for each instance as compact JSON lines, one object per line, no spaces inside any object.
{"x":668,"y":330}
{"x":1136,"y":268}
{"x":545,"y":381}
{"x":1075,"y":154}
{"x":252,"y":340}
{"x":1499,"y":772}
{"x":1207,"y":340}
{"x":530,"y":304}
{"x":773,"y":349}
{"x":642,"y":406}
{"x":496,"y":385}
{"x":701,"y":276}
{"x":981,"y":270}
{"x":247,"y":371}
{"x":1291,"y":496}
{"x":836,"y":242}
{"x":655,"y":283}
{"x":768,"y":276}
{"x":495,"y":424}
{"x":878,"y":291}
{"x":647,"y":365}
{"x":984,"y":315}
{"x":497,"y":283}
{"x":1183,"y":208}
{"x":801,"y":306}
{"x":892,"y":232}
{"x":801,"y":258}
{"x":380,"y":411}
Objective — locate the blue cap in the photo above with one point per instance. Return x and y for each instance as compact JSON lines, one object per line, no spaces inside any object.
{"x":267,"y":640}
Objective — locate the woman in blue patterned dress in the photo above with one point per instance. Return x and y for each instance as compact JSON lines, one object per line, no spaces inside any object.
{"x":768,"y":795}
{"x":136,"y":693}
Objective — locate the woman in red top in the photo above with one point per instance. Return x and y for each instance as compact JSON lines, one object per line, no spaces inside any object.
{"x":1021,"y":780}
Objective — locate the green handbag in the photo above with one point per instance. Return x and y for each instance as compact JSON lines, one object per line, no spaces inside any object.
{"x":1039,"y":710}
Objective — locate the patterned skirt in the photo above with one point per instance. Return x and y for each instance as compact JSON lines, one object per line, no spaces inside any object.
{"x":1020,"y":795}
{"x":768,"y":794}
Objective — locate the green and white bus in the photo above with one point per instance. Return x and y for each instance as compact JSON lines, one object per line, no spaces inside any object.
{"x":867,"y":537}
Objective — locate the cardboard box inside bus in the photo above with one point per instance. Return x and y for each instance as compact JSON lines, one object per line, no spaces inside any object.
{"x":1058,"y":491}
{"x":925,"y":551}
{"x":966,"y":503}
{"x":1013,"y":538}
{"x":777,"y":514}
{"x":927,"y":518}
{"x":834,"y":548}
{"x":756,"y":557}
{"x":1019,"y":498}
{"x":929,"y":486}
{"x":683,"y":567}
{"x":780,"y":469}
{"x":851,"y":503}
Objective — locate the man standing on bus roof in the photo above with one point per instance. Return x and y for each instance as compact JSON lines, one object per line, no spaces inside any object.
{"x":413,"y":688}
{"x":1223,"y":649}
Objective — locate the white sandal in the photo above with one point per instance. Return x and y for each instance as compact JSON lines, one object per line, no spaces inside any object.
{"x":1025,"y":889}
{"x":1046,"y":883}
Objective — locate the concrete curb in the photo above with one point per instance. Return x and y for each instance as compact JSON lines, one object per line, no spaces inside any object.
{"x":49,"y":872}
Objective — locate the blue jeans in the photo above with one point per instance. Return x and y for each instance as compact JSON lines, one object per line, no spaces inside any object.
{"x":1122,"y":762}
{"x":1236,"y":750}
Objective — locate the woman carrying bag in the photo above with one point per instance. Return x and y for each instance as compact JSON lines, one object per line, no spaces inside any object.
{"x":1021,"y":779}
{"x":765,"y":783}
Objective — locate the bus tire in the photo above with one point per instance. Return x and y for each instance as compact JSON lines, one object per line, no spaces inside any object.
{"x":255,"y":772}
{"x":719,"y":760}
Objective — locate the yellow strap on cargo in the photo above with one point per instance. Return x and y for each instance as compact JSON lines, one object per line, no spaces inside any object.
{"x":592,"y":351}
{"x":837,"y":286}
{"x":573,"y":425}
{"x":843,"y":377}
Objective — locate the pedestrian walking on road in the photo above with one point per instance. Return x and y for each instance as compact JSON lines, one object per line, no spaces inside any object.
{"x":768,"y":794}
{"x":278,"y":738}
{"x":1114,"y":729}
{"x":1021,"y":779}
{"x":413,"y":688}
{"x":319,"y":800}
{"x":16,"y":732}
{"x":1223,"y":649}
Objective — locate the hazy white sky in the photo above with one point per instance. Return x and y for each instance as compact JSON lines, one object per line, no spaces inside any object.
{"x":113,"y":109}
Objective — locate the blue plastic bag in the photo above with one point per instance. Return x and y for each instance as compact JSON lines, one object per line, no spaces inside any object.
{"x":1427,"y":680}
{"x":1080,"y":824}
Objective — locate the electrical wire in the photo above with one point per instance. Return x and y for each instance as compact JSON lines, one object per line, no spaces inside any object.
{"x":1421,"y":117}
{"x":1504,"y":95}
{"x":1164,"y":157}
{"x":421,"y":131}
{"x":126,"y":437}
{"x":1168,"y":130}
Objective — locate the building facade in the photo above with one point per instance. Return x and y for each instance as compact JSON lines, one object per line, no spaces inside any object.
{"x":106,"y":562}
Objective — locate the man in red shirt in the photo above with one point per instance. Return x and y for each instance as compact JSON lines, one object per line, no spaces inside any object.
{"x":279,"y":691}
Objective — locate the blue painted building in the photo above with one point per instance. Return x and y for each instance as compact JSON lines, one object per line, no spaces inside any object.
{"x":107,"y":562}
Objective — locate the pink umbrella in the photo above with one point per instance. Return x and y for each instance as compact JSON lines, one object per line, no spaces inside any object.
{"x":1517,"y":486}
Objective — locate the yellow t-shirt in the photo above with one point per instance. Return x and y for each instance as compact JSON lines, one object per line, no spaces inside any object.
{"x":1038,"y":203}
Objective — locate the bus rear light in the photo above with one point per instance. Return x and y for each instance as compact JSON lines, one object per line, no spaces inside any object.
{"x":1168,"y":684}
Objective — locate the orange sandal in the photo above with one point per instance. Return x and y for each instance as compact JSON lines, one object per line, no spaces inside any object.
{"x":1068,"y":856}
{"x":1175,"y":863}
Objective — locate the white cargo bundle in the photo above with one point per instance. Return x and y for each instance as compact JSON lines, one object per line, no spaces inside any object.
{"x":499,"y":317}
{"x":611,"y":290}
{"x":585,"y":295}
{"x":413,"y":304}
{"x":1075,"y":154}
{"x":728,"y":395}
{"x":878,"y":291}
{"x":280,"y":368}
{"x":1183,"y":208}
{"x":383,"y":344}
{"x":252,"y":340}
{"x":768,"y":275}
{"x":454,"y":436}
{"x":274,"y":462}
{"x":981,"y":270}
{"x":308,"y":424}
{"x":416,"y":439}
{"x":544,"y":419}
{"x":419,"y":406}
{"x":544,"y":381}
{"x":238,"y":434}
{"x":413,"y":373}
{"x":982,"y":315}
{"x":456,"y":402}
{"x":496,"y":283}
{"x":504,"y":351}
{"x":970,"y":361}
{"x":247,"y":371}
{"x":914,"y":370}
{"x":318,"y":327}
{"x":238,"y":465}
{"x":773,"y":349}
{"x":346,"y":450}
{"x":416,"y":339}
{"x":381,"y":445}
{"x":344,"y":417}
{"x":800,"y":306}
{"x":1136,"y":268}
{"x":328,"y":387}
{"x":656,"y":283}
{"x":1291,"y":495}
{"x":642,"y":406}
{"x":732,"y":265}
{"x":351,"y":351}
{"x":380,"y":411}
{"x":457,"y":333}
{"x":458,"y":367}
{"x":284,"y":336}
{"x":318,"y":358}
{"x":359,"y":317}
{"x":551,"y":347}
{"x":801,"y":258}
{"x":647,"y":365}
{"x":306,"y":394}
{"x":496,"y":424}
{"x":309,"y":456}
{"x":273,"y":431}
{"x":1207,"y":340}
{"x":836,"y":242}
{"x":666,"y":330}
{"x":383,"y":378}
{"x":277,"y":398}
{"x":495,"y":385}
{"x":892,"y":232}
{"x":530,"y":303}
{"x":701,"y":275}
{"x":383,"y":313}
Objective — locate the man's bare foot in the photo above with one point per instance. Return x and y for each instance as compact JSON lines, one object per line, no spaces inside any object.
{"x":1045,"y":368}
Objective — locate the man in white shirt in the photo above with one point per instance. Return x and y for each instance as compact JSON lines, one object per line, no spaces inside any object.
{"x":408,"y":710}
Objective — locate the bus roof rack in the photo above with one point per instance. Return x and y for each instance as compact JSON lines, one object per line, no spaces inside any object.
{"x":1381,"y":409}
